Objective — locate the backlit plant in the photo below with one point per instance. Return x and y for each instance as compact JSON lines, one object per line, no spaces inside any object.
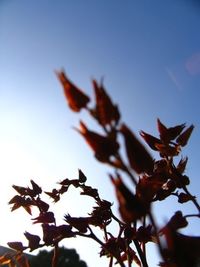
{"x":153,"y":180}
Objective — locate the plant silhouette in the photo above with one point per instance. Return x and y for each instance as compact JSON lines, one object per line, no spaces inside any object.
{"x":153,"y":179}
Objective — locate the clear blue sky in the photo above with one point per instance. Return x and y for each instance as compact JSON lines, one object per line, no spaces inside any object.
{"x":149,"y":55}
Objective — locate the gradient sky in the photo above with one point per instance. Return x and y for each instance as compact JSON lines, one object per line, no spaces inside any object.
{"x":148,"y":53}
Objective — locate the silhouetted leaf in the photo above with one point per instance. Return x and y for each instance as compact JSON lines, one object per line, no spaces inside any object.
{"x":184,"y":137}
{"x":139,"y":158}
{"x":75,"y":97}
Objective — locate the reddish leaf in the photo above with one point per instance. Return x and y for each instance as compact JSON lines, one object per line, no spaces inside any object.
{"x":16,"y":246}
{"x":43,"y":206}
{"x":65,"y":231}
{"x":55,"y":194}
{"x":36,"y":188}
{"x":19,"y":201}
{"x":168,"y":150}
{"x":103,"y":146}
{"x":139,"y":158}
{"x":131,"y":207}
{"x":75,"y":97}
{"x":20,"y":189}
{"x":173,"y":132}
{"x":176,"y":222}
{"x":169,"y":134}
{"x":162,"y":130}
{"x":105,"y":111}
{"x":34,"y":241}
{"x":81,"y":177}
{"x":182,"y":165}
{"x":184,"y":137}
{"x":45,"y":217}
{"x":80,"y":223}
{"x":151,"y":140}
{"x":144,"y":234}
{"x":182,"y":198}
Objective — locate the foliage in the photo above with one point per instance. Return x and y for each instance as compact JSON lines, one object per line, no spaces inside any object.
{"x":67,"y":258}
{"x":153,"y":179}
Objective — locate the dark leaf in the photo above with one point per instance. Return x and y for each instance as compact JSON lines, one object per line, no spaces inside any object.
{"x":34,"y":241}
{"x":16,"y":246}
{"x":139,"y":158}
{"x":45,"y":217}
{"x":105,"y":111}
{"x":75,"y":97}
{"x":103,"y":146}
{"x":81,"y":176}
{"x":184,"y":137}
{"x":150,"y":140}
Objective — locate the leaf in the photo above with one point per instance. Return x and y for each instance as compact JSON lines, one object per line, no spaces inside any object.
{"x":183,"y":197}
{"x":20,"y":189}
{"x":55,"y":194}
{"x":151,"y":140}
{"x":168,"y":150}
{"x":81,"y":176}
{"x":16,"y":246}
{"x":105,"y":111}
{"x":162,"y":129}
{"x":45,"y":217}
{"x":34,"y":241}
{"x":19,"y":201}
{"x":131,"y":207}
{"x":173,"y":132}
{"x":139,"y":158}
{"x":80,"y":223}
{"x":75,"y":97}
{"x":184,"y":137}
{"x":36,"y":188}
{"x":103,"y":146}
{"x":182,"y":165}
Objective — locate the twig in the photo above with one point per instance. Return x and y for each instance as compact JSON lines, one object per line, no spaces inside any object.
{"x":55,"y":255}
{"x":193,"y":199}
{"x":139,"y":250}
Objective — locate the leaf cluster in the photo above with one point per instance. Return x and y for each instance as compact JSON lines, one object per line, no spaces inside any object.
{"x":153,"y":179}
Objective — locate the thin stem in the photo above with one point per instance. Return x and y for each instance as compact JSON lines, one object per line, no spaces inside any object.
{"x":156,"y":233}
{"x":105,"y":233}
{"x":143,"y":243}
{"x":55,"y":255}
{"x":111,"y":261}
{"x":94,"y":237}
{"x":193,"y":199}
{"x":192,"y":215}
{"x":117,"y":220}
{"x":141,"y":255}
{"x":128,"y":254}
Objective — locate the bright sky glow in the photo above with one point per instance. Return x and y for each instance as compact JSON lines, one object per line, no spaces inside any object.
{"x":148,"y":53}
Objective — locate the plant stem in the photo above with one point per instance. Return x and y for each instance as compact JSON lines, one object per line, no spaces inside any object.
{"x":156,"y":234}
{"x":94,"y":237}
{"x":141,"y":254}
{"x":193,"y":199}
{"x":111,"y":261}
{"x":55,"y":255}
{"x":192,"y":215}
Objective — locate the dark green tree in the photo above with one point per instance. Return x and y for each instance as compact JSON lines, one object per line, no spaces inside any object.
{"x":66,"y":258}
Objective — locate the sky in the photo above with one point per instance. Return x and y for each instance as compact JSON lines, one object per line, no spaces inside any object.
{"x":147,"y":52}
